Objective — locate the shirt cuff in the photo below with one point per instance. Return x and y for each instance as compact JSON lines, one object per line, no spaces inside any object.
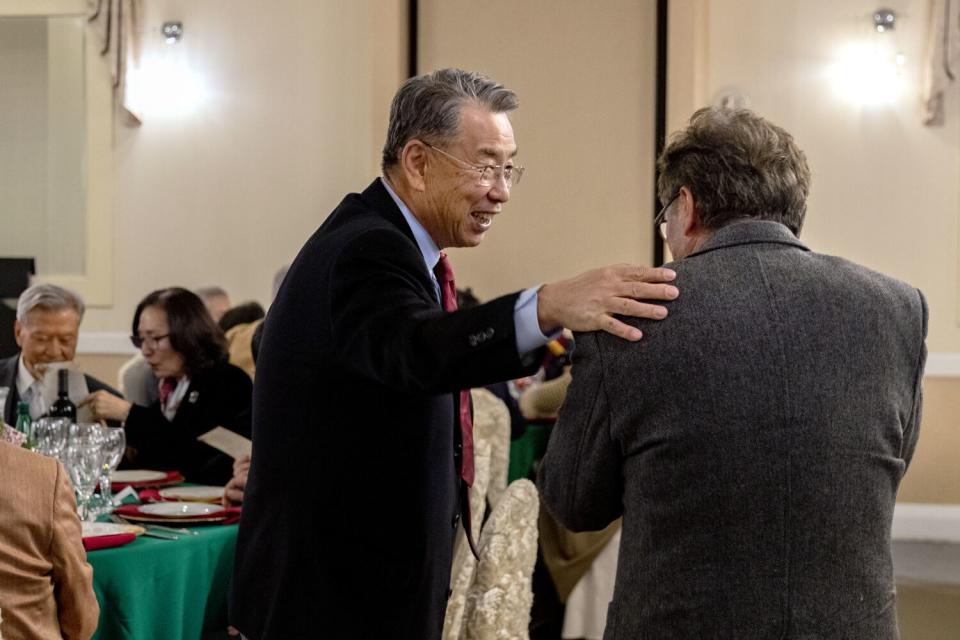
{"x":529,"y":336}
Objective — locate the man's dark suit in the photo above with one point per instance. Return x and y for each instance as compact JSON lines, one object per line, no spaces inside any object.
{"x":753,"y":441}
{"x":352,"y":500}
{"x":8,"y":378}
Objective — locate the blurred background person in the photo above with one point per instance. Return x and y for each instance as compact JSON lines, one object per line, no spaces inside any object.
{"x":215,"y":299}
{"x":199,"y":390}
{"x":46,"y":585}
{"x":47,"y":329}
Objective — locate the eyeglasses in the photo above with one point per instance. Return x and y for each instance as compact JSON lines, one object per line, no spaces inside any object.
{"x":151,"y":342}
{"x":661,"y":220}
{"x":487,"y":174}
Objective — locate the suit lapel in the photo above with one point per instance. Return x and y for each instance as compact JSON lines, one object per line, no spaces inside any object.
{"x":8,"y":378}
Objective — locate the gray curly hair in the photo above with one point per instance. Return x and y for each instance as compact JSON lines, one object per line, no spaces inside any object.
{"x":737,"y":165}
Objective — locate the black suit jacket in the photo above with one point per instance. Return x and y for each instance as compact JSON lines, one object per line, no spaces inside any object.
{"x":8,"y":378}
{"x":352,"y":500}
{"x":216,"y":397}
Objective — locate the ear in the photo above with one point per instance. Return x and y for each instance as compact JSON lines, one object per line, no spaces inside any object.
{"x":689,"y":212}
{"x":413,"y":164}
{"x":18,"y":333}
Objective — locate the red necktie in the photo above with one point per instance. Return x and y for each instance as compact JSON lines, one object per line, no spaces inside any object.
{"x":448,"y":297}
{"x":167,"y":385}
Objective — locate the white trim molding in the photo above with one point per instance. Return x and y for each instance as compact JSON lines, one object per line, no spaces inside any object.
{"x":943,"y":365}
{"x":105,"y":343}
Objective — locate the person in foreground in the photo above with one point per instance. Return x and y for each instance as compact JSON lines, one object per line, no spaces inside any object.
{"x":755,"y":440}
{"x":198,"y":390}
{"x":362,"y":446}
{"x":46,"y":585}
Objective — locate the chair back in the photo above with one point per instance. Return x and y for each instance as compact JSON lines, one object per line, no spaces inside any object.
{"x":499,"y":600}
{"x":491,"y":424}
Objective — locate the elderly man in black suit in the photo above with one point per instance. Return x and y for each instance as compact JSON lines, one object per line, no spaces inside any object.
{"x":361,"y":442}
{"x":754,"y":442}
{"x":47,"y":329}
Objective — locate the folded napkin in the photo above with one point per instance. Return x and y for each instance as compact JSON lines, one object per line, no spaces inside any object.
{"x":153,"y":495}
{"x":106,"y":542}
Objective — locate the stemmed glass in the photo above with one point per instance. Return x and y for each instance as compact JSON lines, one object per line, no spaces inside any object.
{"x":85,"y":448}
{"x":113,"y":443}
{"x":51,"y":436}
{"x":84,"y":460}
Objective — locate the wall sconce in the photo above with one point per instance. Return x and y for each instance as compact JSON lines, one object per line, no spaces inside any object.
{"x":172,"y":32}
{"x":871,"y":73}
{"x":884,"y":20}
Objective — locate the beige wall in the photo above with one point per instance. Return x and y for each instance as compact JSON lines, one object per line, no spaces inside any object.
{"x":584,"y":73}
{"x":296,"y":105}
{"x":886,"y":189}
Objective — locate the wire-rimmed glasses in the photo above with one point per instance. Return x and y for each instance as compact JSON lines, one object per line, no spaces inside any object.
{"x":487,"y":174}
{"x":661,"y":220}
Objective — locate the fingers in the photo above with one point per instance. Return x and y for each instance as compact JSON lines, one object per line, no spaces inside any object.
{"x":629,"y":307}
{"x":614,"y":327}
{"x":647,"y":274}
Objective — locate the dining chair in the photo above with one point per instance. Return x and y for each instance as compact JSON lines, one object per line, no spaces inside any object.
{"x":499,"y":600}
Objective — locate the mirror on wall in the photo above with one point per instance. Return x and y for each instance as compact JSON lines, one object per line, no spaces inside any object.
{"x":43,"y":173}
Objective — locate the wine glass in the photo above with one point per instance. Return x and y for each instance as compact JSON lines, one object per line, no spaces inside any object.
{"x":113,"y":443}
{"x":83,"y":461}
{"x":51,"y":435}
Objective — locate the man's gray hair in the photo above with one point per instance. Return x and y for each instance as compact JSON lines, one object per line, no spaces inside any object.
{"x":737,"y":165}
{"x":427,"y":107}
{"x":48,"y":297}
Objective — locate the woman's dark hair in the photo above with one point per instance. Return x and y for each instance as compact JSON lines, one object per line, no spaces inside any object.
{"x":193,"y":333}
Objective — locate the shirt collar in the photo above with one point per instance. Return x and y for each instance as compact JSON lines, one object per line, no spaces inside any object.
{"x":24,"y":377}
{"x":428,"y":248}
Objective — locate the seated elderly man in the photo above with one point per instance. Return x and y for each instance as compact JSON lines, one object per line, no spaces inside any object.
{"x":47,"y":329}
{"x":755,"y":439}
{"x":46,"y":585}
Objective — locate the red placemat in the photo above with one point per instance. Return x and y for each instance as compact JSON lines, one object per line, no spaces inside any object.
{"x":106,"y":542}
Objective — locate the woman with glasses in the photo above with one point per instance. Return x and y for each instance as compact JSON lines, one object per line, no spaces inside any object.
{"x":199,"y":390}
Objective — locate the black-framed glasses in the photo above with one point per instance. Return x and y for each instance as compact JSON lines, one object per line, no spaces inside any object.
{"x":661,"y":220}
{"x":150,"y":341}
{"x":487,"y":174}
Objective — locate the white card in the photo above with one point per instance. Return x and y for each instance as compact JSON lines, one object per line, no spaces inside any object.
{"x":232,"y":444}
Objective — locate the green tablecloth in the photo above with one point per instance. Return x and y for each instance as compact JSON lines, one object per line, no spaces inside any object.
{"x":165,"y":589}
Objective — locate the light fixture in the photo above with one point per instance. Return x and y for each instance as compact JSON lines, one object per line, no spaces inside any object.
{"x":884,"y":20}
{"x":870,"y":73}
{"x":172,"y":32}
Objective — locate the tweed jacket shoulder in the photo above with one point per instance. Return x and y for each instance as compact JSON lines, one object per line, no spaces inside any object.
{"x":753,"y":441}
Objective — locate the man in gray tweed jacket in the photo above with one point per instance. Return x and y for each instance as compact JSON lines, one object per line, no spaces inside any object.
{"x":755,"y":439}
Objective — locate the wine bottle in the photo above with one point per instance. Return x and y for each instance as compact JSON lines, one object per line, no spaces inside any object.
{"x":63,"y":407}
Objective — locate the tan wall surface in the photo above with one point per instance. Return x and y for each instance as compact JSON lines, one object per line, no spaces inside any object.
{"x":584,"y":73}
{"x":297,"y":95}
{"x":934,"y":473}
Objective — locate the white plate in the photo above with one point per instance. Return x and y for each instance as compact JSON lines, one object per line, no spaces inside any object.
{"x":200,"y":493}
{"x":179,"y":509}
{"x":95,"y":529}
{"x":137,"y":475}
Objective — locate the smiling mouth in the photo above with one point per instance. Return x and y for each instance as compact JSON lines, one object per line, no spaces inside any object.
{"x":483,"y":219}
